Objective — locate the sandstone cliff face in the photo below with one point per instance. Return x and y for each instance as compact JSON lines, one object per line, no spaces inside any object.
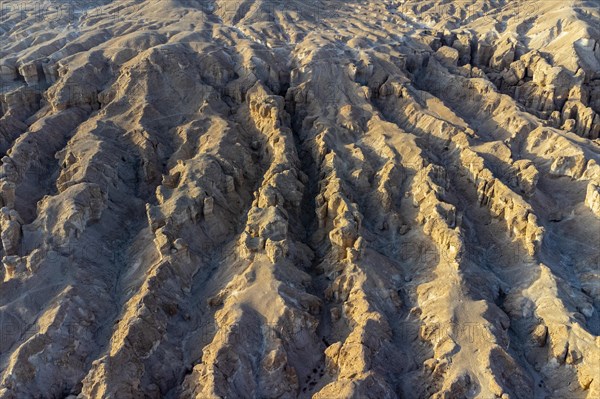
{"x":302,"y":199}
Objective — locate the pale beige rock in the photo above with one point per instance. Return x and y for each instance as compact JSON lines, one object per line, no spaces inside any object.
{"x":592,"y":198}
{"x":10,"y":227}
{"x":447,"y":56}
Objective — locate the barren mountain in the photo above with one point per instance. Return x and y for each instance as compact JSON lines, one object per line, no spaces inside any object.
{"x":300,"y":199}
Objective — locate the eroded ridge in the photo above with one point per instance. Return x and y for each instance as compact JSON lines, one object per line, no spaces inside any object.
{"x":301,"y":199}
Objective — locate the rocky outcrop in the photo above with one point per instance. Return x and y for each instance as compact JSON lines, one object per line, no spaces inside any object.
{"x":503,"y":202}
{"x":10,"y":225}
{"x":592,"y":198}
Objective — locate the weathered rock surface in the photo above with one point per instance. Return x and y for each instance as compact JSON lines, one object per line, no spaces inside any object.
{"x":299,"y":199}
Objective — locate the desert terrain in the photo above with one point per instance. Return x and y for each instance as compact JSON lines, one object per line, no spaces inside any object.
{"x":300,"y":199}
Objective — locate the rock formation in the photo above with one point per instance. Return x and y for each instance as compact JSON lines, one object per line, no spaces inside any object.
{"x":299,"y":199}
